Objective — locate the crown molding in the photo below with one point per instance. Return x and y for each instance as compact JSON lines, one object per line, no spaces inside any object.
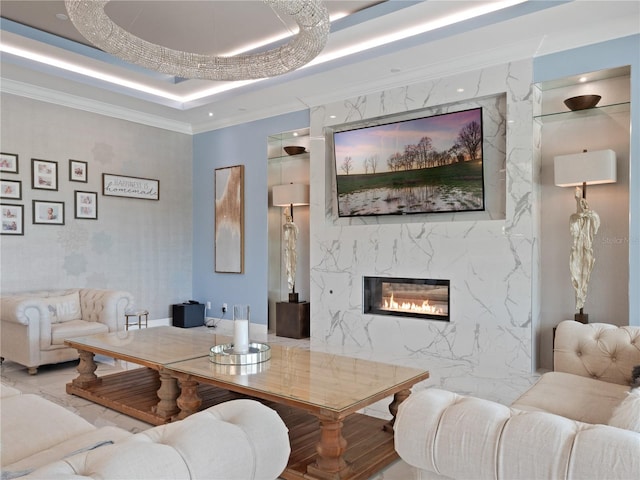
{"x":63,"y":99}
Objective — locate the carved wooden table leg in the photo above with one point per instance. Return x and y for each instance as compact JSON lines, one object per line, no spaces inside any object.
{"x":398,"y":398}
{"x":330,"y":463}
{"x":189,"y":401}
{"x":167,"y":393}
{"x":85,"y":368}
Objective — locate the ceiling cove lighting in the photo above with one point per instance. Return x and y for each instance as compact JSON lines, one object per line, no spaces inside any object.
{"x":419,"y":29}
{"x":311,"y":16}
{"x":209,"y":92}
{"x":79,"y":69}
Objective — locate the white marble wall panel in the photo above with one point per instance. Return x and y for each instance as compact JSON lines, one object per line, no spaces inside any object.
{"x":486,"y":348}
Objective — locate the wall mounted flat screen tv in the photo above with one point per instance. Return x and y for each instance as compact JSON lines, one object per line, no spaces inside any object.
{"x":424,"y":165}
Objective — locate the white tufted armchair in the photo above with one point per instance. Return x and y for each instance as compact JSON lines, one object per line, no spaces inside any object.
{"x":35,"y":324}
{"x":592,"y":372}
{"x":578,"y":422}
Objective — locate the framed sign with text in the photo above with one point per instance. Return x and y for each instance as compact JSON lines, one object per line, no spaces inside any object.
{"x":131,"y":187}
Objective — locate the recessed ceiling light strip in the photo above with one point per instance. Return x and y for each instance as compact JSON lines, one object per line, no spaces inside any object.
{"x":79,"y":69}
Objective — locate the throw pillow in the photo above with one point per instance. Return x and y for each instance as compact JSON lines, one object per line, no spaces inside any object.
{"x":627,"y":414}
{"x":64,"y":308}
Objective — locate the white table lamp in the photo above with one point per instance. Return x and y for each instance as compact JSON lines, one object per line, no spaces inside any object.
{"x":579,"y":170}
{"x":290,"y":195}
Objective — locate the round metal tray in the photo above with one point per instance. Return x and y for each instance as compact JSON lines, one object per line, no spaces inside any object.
{"x":224,"y":354}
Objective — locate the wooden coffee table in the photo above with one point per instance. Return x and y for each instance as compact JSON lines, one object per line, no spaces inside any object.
{"x":148,"y":394}
{"x":329,"y":389}
{"x":317,"y":394}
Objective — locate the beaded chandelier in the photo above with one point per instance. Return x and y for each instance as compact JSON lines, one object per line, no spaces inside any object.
{"x":312,"y":17}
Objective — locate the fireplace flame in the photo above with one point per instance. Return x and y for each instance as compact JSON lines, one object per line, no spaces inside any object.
{"x":424,"y":307}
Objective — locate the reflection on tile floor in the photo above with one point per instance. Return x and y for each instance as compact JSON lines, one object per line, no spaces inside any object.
{"x":51,"y":380}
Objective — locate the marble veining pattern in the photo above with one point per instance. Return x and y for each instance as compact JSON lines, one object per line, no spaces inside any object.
{"x":486,"y":349}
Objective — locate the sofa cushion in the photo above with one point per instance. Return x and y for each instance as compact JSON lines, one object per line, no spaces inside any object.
{"x":627,"y":414}
{"x":573,"y":396}
{"x":235,"y":440}
{"x":64,"y":308}
{"x":71,"y":446}
{"x":429,"y":434}
{"x":445,"y":435}
{"x":75,"y":328}
{"x":31,"y":424}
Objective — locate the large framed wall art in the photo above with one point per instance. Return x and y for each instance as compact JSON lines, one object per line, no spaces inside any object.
{"x":229,"y":219}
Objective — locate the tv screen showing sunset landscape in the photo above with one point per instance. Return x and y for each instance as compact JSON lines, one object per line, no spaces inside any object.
{"x":424,"y":165}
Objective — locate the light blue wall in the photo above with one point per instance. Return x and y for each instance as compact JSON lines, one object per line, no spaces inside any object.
{"x":615,"y":53}
{"x":238,"y":145}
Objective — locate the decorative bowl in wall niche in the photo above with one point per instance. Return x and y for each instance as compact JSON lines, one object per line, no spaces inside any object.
{"x":294,"y":150}
{"x":582,"y":102}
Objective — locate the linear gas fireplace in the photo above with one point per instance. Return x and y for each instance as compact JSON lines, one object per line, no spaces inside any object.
{"x":406,"y":297}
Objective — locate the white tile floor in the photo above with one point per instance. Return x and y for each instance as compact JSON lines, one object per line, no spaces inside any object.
{"x":51,"y":380}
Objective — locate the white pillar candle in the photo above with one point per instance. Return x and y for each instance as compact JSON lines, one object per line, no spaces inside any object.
{"x":241,"y":336}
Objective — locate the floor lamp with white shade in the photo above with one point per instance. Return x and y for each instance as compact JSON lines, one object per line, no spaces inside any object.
{"x":288,"y":196}
{"x":579,"y":170}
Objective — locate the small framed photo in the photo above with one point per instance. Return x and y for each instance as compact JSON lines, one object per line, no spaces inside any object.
{"x":8,"y":162}
{"x":78,"y":171}
{"x":12,"y":219}
{"x":11,"y":189}
{"x":44,"y":174}
{"x":48,"y":213}
{"x":86,"y":205}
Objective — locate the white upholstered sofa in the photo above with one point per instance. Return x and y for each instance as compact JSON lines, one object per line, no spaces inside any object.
{"x":35,"y":324}
{"x":561,"y":428}
{"x":236,"y":440}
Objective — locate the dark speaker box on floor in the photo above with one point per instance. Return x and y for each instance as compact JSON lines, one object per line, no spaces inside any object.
{"x":187,"y":315}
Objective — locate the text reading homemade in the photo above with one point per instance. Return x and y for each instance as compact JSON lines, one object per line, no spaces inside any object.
{"x":133,"y":187}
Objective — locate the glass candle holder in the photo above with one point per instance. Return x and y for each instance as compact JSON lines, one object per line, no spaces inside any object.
{"x":241,"y":328}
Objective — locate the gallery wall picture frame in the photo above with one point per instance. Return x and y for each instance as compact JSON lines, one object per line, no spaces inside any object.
{"x":8,"y":162}
{"x":44,"y":174}
{"x":11,"y":189}
{"x":12,"y":218}
{"x":78,"y":171}
{"x":229,"y":219}
{"x":86,"y":205}
{"x":131,"y":187}
{"x":48,"y":213}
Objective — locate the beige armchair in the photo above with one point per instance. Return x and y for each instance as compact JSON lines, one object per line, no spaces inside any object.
{"x":35,"y":324}
{"x":577,"y":422}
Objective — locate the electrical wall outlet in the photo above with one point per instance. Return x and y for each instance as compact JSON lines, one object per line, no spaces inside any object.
{"x":224,"y":308}
{"x":208,"y":305}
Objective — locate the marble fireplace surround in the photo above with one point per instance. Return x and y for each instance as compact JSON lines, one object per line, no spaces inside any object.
{"x":487,"y":347}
